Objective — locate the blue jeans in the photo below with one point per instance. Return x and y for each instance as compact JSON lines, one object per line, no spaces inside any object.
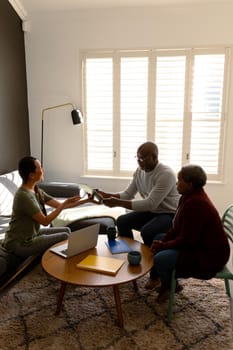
{"x":164,"y":264}
{"x":149,"y":224}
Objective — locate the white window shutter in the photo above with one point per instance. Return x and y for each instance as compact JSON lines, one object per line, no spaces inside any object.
{"x":133,"y":108}
{"x":169,"y":108}
{"x":99,"y":113}
{"x":207,"y":96}
{"x":175,"y":98}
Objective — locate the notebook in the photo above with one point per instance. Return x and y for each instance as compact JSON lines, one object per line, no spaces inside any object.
{"x":101,"y":264}
{"x":78,"y":241}
{"x":117,"y":246}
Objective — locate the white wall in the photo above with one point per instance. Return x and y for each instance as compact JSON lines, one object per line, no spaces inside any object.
{"x":53,"y":67}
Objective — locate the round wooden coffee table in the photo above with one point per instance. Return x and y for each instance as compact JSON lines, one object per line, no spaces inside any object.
{"x":65,"y":270}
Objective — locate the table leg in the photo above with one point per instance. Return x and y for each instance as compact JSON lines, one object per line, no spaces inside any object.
{"x":60,"y":297}
{"x":118,"y":306}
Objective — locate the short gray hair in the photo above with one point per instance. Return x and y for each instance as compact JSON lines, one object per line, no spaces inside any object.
{"x":194,"y":174}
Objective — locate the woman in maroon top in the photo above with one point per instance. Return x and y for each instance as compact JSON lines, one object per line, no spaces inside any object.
{"x":197,"y":245}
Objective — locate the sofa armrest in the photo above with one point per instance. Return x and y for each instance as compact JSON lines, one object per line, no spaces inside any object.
{"x":60,"y":189}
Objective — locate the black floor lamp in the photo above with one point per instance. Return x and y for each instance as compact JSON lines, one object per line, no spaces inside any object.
{"x":76,"y":115}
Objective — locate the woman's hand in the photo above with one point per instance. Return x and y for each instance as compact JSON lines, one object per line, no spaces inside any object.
{"x":71,"y":202}
{"x":68,"y":203}
{"x":156,"y":246}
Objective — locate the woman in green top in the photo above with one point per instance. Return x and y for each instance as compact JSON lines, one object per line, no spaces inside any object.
{"x":24,"y":236}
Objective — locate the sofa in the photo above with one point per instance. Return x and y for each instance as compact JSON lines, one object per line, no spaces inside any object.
{"x":10,"y":265}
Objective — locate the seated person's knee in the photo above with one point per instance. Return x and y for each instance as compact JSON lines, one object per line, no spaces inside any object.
{"x":147,"y":236}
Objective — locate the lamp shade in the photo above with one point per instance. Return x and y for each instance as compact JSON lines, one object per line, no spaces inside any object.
{"x":77,"y":117}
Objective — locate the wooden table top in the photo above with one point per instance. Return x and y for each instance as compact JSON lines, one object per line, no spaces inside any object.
{"x":65,"y":270}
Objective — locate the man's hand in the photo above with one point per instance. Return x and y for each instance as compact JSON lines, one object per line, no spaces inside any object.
{"x":117,"y":202}
{"x":102,"y":193}
{"x":111,"y":202}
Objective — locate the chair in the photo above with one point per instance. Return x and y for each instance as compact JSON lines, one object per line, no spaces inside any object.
{"x":225,"y":274}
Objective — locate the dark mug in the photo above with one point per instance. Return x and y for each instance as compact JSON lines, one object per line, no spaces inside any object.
{"x":111,"y":233}
{"x":134,"y":257}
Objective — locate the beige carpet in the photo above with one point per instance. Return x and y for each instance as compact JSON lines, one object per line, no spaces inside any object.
{"x":88,"y":319}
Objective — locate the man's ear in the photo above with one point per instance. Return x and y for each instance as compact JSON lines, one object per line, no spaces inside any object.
{"x":155,"y":157}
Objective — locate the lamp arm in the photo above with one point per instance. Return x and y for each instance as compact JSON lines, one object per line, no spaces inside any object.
{"x":57,"y":106}
{"x":42,"y":125}
{"x":42,"y":141}
{"x":77,"y":119}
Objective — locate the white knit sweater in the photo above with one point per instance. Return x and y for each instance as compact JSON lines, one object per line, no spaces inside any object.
{"x":157,"y":189}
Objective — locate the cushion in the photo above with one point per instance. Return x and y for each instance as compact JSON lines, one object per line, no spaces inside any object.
{"x":12,"y":266}
{"x":3,"y":266}
{"x":9,"y":184}
{"x":86,"y":211}
{"x":8,"y":261}
{"x":60,"y":189}
{"x":104,"y":221}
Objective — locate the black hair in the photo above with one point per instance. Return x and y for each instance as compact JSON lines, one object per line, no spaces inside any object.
{"x":194,"y":174}
{"x":26,"y":167}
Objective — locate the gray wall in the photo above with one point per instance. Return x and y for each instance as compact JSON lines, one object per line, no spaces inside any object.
{"x":14,"y":121}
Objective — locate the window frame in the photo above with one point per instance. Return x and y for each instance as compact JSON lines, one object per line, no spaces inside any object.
{"x":152,"y":55}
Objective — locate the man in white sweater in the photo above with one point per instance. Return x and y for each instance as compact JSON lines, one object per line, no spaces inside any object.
{"x":156,"y":184}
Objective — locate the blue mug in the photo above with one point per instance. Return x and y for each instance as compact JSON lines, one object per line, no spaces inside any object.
{"x":134,"y":257}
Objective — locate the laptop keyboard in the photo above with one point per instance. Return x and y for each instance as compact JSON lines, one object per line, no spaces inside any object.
{"x":64,"y":251}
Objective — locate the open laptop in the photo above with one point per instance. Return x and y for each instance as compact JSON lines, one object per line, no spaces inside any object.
{"x":78,"y":241}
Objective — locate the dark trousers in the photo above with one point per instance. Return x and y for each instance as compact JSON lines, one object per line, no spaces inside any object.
{"x":164,"y":264}
{"x":149,"y":224}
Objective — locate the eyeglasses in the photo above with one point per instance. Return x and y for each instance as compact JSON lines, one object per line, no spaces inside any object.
{"x":142,"y":159}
